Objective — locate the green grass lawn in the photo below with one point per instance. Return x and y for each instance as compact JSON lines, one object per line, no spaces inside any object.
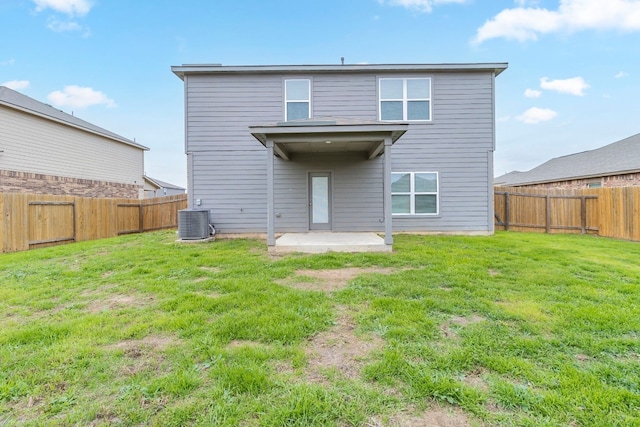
{"x":510,"y":330}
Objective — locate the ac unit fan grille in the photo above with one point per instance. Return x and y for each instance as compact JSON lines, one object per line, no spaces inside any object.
{"x":193,"y":224}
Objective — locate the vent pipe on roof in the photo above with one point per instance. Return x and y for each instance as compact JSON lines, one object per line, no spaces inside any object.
{"x":342,"y":60}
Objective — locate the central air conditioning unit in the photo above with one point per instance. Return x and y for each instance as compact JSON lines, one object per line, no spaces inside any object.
{"x":193,"y":224}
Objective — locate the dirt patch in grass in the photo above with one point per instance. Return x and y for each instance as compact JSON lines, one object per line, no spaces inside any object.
{"x":143,"y":354}
{"x":434,"y":417}
{"x":474,"y":379}
{"x":329,"y":280}
{"x":210,"y":269}
{"x":151,"y":342}
{"x":118,"y":301}
{"x":339,"y":349}
{"x":466,"y":321}
{"x":582,"y":358}
{"x":458,"y":321}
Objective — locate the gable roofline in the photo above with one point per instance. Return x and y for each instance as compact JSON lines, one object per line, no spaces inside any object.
{"x":187,"y":69}
{"x":618,"y":158}
{"x":17,"y":101}
{"x":162,"y":184}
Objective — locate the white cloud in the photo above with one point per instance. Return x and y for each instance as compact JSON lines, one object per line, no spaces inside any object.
{"x":526,"y":23}
{"x":79,"y":97}
{"x":68,"y":7}
{"x":621,"y":74}
{"x":573,"y":86}
{"x":62,"y":26}
{"x":8,"y":62}
{"x":420,"y":5}
{"x":532,"y":93}
{"x":536,"y":115}
{"x":16,"y":84}
{"x":523,"y":3}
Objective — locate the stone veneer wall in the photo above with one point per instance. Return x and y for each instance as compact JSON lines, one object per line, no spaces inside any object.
{"x":27,"y":182}
{"x":627,"y":180}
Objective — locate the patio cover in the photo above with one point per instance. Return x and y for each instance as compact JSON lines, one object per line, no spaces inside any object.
{"x":328,"y":135}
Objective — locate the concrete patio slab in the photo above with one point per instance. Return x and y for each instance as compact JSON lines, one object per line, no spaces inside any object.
{"x":321,"y":242}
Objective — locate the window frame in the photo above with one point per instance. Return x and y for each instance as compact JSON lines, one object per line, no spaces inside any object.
{"x":412,"y":194}
{"x":405,"y":99}
{"x":594,"y":183}
{"x":287,"y":101}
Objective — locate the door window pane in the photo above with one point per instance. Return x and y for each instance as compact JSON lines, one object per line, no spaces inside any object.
{"x":320,"y":200}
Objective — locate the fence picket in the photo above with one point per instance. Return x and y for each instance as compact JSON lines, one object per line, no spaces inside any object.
{"x":36,"y":220}
{"x":609,"y":212}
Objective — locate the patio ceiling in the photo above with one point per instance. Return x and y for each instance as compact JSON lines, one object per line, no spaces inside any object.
{"x":332,"y":135}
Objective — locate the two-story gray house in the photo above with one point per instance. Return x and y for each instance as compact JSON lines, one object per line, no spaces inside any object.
{"x":342,"y":148}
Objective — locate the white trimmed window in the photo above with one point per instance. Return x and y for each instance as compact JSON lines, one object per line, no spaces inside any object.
{"x":297,"y":99}
{"x":405,"y":99}
{"x":414,"y":193}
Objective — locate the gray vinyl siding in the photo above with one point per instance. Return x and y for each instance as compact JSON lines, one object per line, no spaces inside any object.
{"x":229,"y":165}
{"x":352,"y":96}
{"x":455,"y":144}
{"x":232,"y":186}
{"x":356,"y":186}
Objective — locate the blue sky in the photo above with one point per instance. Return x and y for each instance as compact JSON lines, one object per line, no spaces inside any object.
{"x":573,"y":81}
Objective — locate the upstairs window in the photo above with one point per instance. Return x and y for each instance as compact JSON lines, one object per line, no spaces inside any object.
{"x":297,"y":99}
{"x":405,"y":99}
{"x":414,"y":193}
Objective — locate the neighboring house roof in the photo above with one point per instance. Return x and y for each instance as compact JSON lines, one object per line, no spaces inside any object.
{"x":619,"y":158}
{"x":162,"y":184}
{"x":18,"y":101}
{"x":180,"y":71}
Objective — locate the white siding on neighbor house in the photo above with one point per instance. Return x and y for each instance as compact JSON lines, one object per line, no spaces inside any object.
{"x":34,"y":144}
{"x":229,"y":165}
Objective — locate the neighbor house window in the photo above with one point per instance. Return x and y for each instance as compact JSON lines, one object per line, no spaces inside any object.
{"x":297,"y":99}
{"x":405,"y":99}
{"x":596,"y":183}
{"x":414,"y":193}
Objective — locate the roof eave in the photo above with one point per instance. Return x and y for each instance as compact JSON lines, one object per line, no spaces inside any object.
{"x":573,"y":178}
{"x":182,"y":70}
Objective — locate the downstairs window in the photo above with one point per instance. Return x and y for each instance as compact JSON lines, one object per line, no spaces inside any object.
{"x":414,"y":193}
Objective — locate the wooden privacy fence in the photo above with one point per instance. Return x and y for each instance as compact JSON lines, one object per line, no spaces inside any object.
{"x":607,"y":212}
{"x":35,"y":220}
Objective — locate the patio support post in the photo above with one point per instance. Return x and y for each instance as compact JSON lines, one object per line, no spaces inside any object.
{"x":388,"y":226}
{"x":271,"y":235}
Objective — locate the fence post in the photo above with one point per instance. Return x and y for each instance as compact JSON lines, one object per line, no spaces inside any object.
{"x":547,"y":219}
{"x":141,"y":217}
{"x":583,"y":214}
{"x":506,"y":211}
